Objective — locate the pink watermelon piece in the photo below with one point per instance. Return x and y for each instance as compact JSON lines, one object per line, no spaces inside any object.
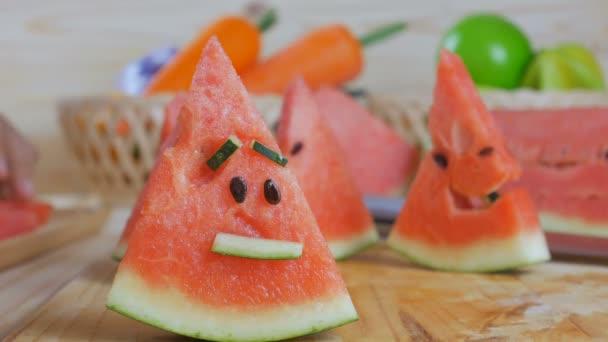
{"x":323,"y":173}
{"x":380,"y":160}
{"x":170,"y":278}
{"x":565,"y":165}
{"x":458,"y":216}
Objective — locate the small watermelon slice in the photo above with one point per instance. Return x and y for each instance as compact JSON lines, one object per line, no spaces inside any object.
{"x":22,"y":216}
{"x":565,"y":165}
{"x":380,"y":160}
{"x":169,"y":276}
{"x":321,"y":168}
{"x":457,"y":215}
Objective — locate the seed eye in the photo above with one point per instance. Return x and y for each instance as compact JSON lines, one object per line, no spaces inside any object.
{"x":297,"y":148}
{"x":486,"y":151}
{"x":238,"y":189}
{"x":272,"y":192}
{"x":440,"y":160}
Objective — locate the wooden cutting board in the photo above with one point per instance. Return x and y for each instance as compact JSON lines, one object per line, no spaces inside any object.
{"x":396,"y":301}
{"x":64,"y":226}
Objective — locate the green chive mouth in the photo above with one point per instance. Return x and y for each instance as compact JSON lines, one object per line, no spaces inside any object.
{"x":223,"y":153}
{"x":268,"y":153}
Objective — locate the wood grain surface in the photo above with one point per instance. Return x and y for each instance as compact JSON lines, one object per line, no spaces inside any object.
{"x":52,"y":49}
{"x":24,"y":287}
{"x":396,"y":301}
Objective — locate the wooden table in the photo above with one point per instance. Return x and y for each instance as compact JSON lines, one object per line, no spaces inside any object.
{"x":395,"y":299}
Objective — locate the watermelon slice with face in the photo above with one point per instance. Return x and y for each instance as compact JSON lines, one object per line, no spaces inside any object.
{"x":321,"y":168}
{"x":22,"y":216}
{"x":565,"y":165}
{"x":457,"y":216}
{"x":221,"y":188}
{"x":380,"y":160}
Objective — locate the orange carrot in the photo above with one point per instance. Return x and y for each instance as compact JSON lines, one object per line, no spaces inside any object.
{"x":240,"y":38}
{"x":330,"y":55}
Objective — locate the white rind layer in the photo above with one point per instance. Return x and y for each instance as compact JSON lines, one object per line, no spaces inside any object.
{"x":553,"y":222}
{"x":249,"y":247}
{"x":484,"y":256}
{"x":341,"y":249}
{"x":119,"y":251}
{"x":171,"y":310}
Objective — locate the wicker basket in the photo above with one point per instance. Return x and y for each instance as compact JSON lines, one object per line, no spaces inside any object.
{"x":115,"y":138}
{"x":408,"y":115}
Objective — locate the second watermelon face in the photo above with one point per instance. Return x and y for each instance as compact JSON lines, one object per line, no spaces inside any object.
{"x":459,"y":215}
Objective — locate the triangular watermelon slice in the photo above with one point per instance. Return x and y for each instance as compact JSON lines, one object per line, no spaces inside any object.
{"x":321,"y":168}
{"x":170,"y":277}
{"x":22,"y":216}
{"x":457,"y":216}
{"x":381,"y":161}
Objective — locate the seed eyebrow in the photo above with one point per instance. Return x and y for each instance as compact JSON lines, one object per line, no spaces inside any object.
{"x":224,"y":152}
{"x":268,"y":153}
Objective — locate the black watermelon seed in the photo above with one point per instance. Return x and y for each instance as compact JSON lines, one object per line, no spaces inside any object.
{"x":486,"y":151}
{"x":493,"y":196}
{"x":296,"y":148}
{"x":606,"y":155}
{"x":238,"y":188}
{"x":272,"y":192}
{"x":440,"y":160}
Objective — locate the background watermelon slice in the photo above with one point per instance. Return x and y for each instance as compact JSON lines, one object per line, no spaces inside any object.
{"x":564,"y":153}
{"x":19,"y":217}
{"x":369,"y":144}
{"x":447,"y":221}
{"x":323,"y":173}
{"x":170,"y":278}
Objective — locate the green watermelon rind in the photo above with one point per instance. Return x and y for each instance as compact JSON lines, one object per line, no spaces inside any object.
{"x":255,"y":248}
{"x":341,"y":304}
{"x":343,"y":249}
{"x":119,"y":251}
{"x":514,"y":258}
{"x":556,"y":223}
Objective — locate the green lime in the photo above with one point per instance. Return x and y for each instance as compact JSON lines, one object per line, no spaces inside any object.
{"x":495,"y":51}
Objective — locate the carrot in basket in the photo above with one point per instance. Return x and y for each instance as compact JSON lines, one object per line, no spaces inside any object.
{"x":240,"y":38}
{"x":330,"y":55}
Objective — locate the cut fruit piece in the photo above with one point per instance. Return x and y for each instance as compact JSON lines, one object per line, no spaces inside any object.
{"x":223,"y":153}
{"x":323,"y":173}
{"x":445,"y":222}
{"x":369,"y":144}
{"x":565,"y":166}
{"x":255,"y":248}
{"x":268,"y":153}
{"x":20,"y":217}
{"x":169,"y":276}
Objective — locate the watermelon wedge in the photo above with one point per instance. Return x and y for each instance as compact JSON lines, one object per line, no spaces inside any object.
{"x":170,"y":277}
{"x":565,"y":165}
{"x":380,"y":160}
{"x":20,"y":217}
{"x":457,"y":215}
{"x":322,"y":170}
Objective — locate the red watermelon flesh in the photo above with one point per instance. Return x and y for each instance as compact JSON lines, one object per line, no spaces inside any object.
{"x":380,"y":160}
{"x":445,"y":222}
{"x":170,"y":278}
{"x":323,"y":173}
{"x":563,"y":152}
{"x":19,"y":217}
{"x":172,"y":110}
{"x":557,"y":137}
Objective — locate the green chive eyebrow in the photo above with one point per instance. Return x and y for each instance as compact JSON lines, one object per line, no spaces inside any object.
{"x":224,"y":152}
{"x":268,"y":153}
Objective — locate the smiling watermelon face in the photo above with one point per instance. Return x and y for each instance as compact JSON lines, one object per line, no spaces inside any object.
{"x":171,"y":278}
{"x":460,"y":214}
